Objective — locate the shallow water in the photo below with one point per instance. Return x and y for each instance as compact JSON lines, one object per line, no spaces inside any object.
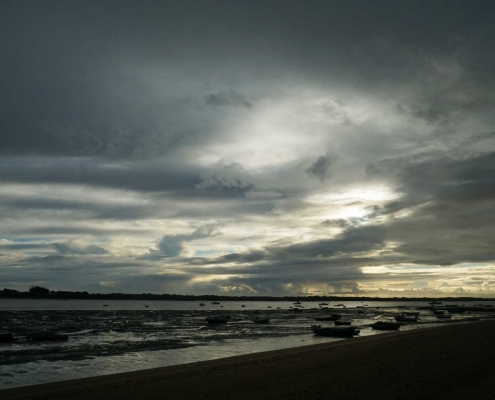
{"x":127,"y":335}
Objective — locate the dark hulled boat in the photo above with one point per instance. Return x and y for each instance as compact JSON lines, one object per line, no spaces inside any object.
{"x":334,"y":331}
{"x":386,"y":326}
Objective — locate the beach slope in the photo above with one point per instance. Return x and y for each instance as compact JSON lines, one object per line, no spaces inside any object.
{"x":451,"y":362}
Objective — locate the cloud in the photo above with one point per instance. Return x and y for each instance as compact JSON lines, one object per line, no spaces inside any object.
{"x":78,"y":247}
{"x":321,"y":168}
{"x":111,"y":137}
{"x":227,"y":99}
{"x":173,"y":245}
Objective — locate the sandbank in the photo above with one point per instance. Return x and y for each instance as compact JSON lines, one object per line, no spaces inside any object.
{"x":452,"y":362}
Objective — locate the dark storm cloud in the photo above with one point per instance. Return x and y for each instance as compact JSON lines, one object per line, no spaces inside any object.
{"x":320,"y":169}
{"x":23,"y":246}
{"x":352,"y":241}
{"x":80,"y":209}
{"x":153,"y":176}
{"x":71,"y":248}
{"x":227,"y":99}
{"x":66,"y":90}
{"x":340,"y":223}
{"x":450,"y":198}
{"x":173,"y":245}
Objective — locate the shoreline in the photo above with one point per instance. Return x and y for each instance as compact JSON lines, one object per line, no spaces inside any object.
{"x":441,"y":362}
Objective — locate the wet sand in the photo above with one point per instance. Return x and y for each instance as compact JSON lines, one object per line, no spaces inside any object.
{"x":452,"y":362}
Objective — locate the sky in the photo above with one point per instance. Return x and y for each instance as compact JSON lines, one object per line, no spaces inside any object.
{"x":248,"y":148}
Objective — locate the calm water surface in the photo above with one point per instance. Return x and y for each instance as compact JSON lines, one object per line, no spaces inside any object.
{"x":107,"y":337}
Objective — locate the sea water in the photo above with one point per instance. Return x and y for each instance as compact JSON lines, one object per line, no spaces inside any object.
{"x":112,"y":336}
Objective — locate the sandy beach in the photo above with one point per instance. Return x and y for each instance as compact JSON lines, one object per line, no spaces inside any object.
{"x":451,"y":362}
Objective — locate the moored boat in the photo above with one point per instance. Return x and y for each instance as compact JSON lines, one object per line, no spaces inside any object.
{"x":334,"y":331}
{"x":258,"y":320}
{"x":39,"y":336}
{"x":218,"y":319}
{"x":406,"y":318}
{"x":386,"y":326}
{"x":444,"y":316}
{"x":6,"y":338}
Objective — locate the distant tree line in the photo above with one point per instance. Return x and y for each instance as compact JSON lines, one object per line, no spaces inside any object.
{"x":39,"y":292}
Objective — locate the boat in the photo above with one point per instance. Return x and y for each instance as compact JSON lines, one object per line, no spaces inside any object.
{"x":201,"y":304}
{"x":258,"y":320}
{"x":444,"y":316}
{"x":6,"y":338}
{"x":297,"y":302}
{"x":342,"y":323}
{"x":47,"y":336}
{"x":215,"y":302}
{"x":333,"y":317}
{"x":243,"y":305}
{"x":218,"y":319}
{"x":439,"y":312}
{"x":334,"y":331}
{"x":323,"y":304}
{"x":386,"y":326}
{"x":406,"y":318}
